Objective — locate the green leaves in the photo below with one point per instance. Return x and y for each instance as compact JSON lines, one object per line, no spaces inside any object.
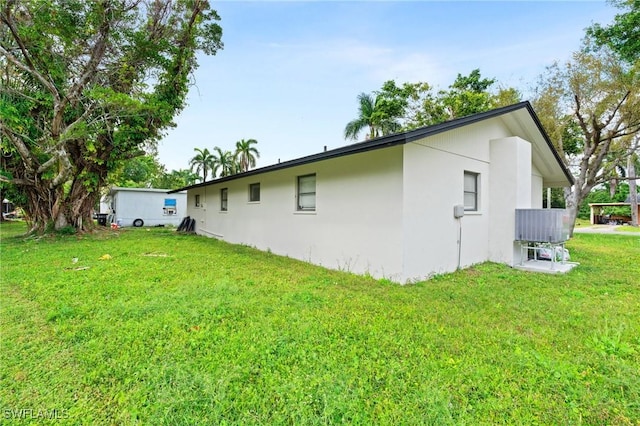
{"x":246,"y":154}
{"x":589,"y":106}
{"x":378,"y":113}
{"x":87,"y":85}
{"x":394,"y":108}
{"x":203,"y":162}
{"x":623,"y":35}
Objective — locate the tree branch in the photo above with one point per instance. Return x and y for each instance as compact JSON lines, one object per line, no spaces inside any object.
{"x":22,"y":149}
{"x":5,"y":17}
{"x":46,"y":83}
{"x":66,"y":133}
{"x":97,"y":53}
{"x":16,"y":181}
{"x":611,"y":116}
{"x":63,"y":174}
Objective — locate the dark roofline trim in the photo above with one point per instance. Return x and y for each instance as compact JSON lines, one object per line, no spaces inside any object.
{"x":389,"y":141}
{"x":566,"y":171}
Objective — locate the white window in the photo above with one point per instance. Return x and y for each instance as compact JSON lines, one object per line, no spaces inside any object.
{"x":471,"y":191}
{"x":254,"y":192}
{"x":224,"y":193}
{"x":198,"y":204}
{"x":307,"y":192}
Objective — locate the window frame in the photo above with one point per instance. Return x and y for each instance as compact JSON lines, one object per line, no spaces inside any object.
{"x":170,"y":207}
{"x":224,"y":199}
{"x":197,"y":201}
{"x":251,"y":186}
{"x":475,"y":192}
{"x":300,"y":208}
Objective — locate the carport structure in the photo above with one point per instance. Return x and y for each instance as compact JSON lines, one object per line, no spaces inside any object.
{"x":597,"y":218}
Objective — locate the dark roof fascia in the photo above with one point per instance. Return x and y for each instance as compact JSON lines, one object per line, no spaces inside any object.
{"x":536,"y":120}
{"x":382,"y":142}
{"x":389,"y":141}
{"x":449,"y":125}
{"x":416,"y":134}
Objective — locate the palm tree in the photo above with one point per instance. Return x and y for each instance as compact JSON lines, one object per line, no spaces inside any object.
{"x":225,"y":162}
{"x":246,"y":154}
{"x":203,"y":161}
{"x":371,"y":115}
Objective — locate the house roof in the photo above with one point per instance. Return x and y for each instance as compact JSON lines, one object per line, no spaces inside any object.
{"x":520,"y":118}
{"x":619,"y":204}
{"x":626,"y":202}
{"x":115,"y":189}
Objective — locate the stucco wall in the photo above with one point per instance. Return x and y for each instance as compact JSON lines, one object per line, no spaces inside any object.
{"x":434,"y":184}
{"x":387,"y":212}
{"x":510,"y":188}
{"x":356,"y":226}
{"x":537,"y":188}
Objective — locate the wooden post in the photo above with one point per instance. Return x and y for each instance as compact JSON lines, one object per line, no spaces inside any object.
{"x":633,"y":191}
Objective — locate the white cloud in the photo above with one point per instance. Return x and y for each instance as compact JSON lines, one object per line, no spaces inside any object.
{"x":290,"y":73}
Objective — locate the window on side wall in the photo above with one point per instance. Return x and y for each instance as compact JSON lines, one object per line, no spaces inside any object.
{"x":306,"y":193}
{"x":254,"y":192}
{"x":224,"y":193}
{"x":471,"y":191}
{"x":170,"y":206}
{"x":198,"y":204}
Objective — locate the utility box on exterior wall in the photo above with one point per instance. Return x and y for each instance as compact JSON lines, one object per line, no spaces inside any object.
{"x":542,"y":225}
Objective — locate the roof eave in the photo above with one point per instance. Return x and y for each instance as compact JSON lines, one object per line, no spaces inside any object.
{"x":552,"y":148}
{"x":392,"y":140}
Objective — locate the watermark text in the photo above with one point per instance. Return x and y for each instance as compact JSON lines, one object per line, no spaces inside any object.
{"x":35,"y":414}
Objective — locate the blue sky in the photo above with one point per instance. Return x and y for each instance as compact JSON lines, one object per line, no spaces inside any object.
{"x":290,"y":71}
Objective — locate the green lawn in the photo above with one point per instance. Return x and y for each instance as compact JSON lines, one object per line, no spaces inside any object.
{"x":178,"y":329}
{"x":581,"y":223}
{"x":628,"y":228}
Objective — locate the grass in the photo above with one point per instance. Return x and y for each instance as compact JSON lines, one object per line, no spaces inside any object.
{"x":628,"y":228}
{"x":582,"y":223}
{"x":176,"y":329}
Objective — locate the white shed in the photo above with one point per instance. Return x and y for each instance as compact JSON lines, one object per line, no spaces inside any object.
{"x":391,"y":207}
{"x":144,"y":206}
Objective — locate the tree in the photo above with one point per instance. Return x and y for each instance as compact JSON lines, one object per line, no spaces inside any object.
{"x":174,"y":179}
{"x":418,"y":104}
{"x":225,"y":162}
{"x":590,"y":107}
{"x":202,"y":162}
{"x":137,"y":172}
{"x":467,"y":95}
{"x":86,"y":85}
{"x":623,"y":36}
{"x":246,"y":154}
{"x":374,"y":113}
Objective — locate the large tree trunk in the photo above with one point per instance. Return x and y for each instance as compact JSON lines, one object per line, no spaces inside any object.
{"x":572,"y":207}
{"x":51,"y":210}
{"x":574,"y":198}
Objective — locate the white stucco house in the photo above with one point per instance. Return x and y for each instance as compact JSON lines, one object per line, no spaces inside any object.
{"x":402,"y":207}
